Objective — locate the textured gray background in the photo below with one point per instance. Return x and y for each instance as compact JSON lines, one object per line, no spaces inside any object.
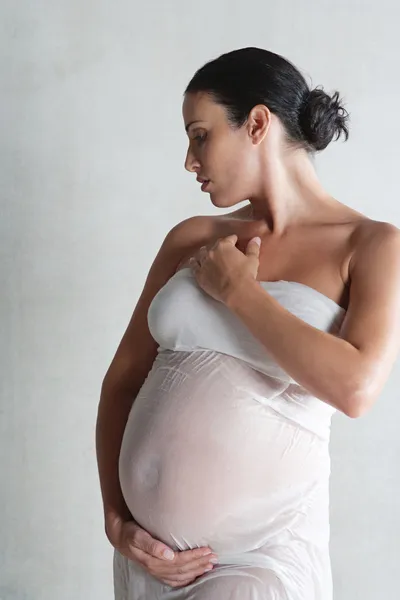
{"x":91,"y":175}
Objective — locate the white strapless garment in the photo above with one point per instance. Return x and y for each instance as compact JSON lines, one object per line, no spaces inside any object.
{"x":222,"y":448}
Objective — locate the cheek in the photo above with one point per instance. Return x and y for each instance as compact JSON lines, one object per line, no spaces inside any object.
{"x":239,"y":169}
{"x":226,"y":159}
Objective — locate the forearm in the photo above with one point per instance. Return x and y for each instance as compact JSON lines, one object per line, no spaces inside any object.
{"x":327,"y":366}
{"x":112,"y":416}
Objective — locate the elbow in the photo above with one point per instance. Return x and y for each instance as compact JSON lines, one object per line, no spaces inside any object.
{"x":355,"y":391}
{"x":358,"y":400}
{"x":355,"y":409}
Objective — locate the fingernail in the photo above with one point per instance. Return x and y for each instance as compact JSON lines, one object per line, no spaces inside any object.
{"x":208,"y":569}
{"x":214,"y":561}
{"x":169,"y":554}
{"x":257,"y":240}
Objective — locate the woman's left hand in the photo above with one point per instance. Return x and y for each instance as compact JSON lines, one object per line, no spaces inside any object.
{"x":220,"y":268}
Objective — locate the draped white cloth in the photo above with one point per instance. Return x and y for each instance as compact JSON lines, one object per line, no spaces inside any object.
{"x":223,"y":449}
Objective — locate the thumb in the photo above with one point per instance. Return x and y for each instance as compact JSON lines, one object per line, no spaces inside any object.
{"x":253,"y":247}
{"x":143,"y":541}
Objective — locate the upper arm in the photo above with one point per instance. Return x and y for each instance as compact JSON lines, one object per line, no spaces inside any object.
{"x":372,"y":322}
{"x":137,"y":349}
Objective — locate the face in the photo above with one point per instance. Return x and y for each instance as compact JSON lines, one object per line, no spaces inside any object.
{"x":217,"y":152}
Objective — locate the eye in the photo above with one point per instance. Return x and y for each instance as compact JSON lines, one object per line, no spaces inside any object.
{"x":200,"y":139}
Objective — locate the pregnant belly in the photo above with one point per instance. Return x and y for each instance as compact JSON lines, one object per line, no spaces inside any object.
{"x":204,"y":462}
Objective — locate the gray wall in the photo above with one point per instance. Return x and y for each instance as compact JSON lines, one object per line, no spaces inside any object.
{"x":92,"y":150}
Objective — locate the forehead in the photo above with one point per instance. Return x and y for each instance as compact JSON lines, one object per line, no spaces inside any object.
{"x":200,"y":107}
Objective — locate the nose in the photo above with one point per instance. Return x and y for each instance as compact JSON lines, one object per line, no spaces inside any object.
{"x":191,"y":163}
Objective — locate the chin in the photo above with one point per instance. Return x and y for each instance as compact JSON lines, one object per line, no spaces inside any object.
{"x":223,"y":201}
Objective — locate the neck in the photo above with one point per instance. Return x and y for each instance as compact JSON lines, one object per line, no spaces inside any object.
{"x":289,"y":193}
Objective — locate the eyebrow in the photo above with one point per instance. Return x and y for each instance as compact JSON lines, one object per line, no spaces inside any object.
{"x":192,"y":122}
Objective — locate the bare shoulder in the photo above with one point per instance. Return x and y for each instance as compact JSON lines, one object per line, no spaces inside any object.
{"x":188,"y":235}
{"x":137,"y":349}
{"x":190,"y":231}
{"x":369,"y":229}
{"x":374,"y":239}
{"x":201,"y":225}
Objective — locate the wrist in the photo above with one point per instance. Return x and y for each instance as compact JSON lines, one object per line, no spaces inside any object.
{"x":113,"y":526}
{"x":239,"y":292}
{"x":113,"y":516}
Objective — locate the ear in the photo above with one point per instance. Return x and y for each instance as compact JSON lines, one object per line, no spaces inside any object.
{"x":258,"y":123}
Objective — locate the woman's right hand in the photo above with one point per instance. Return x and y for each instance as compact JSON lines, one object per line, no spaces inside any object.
{"x":137,"y":545}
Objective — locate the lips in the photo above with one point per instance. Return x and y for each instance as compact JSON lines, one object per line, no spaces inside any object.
{"x":204,"y":182}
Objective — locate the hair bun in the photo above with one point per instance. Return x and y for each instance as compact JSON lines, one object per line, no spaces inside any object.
{"x":323,"y":118}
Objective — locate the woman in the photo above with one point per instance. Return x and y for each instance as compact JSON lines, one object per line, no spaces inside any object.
{"x":252,"y":329}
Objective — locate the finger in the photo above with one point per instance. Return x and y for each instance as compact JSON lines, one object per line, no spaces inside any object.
{"x":232,"y":239}
{"x":184,"y":560}
{"x":143,"y":541}
{"x":201,"y":255}
{"x":187,"y":556}
{"x":186,"y":564}
{"x":193,"y":264}
{"x":167,"y":570}
{"x":195,"y":564}
{"x":253,"y":247}
{"x":187,"y":578}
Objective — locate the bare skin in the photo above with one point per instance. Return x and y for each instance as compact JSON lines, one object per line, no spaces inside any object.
{"x":133,"y":359}
{"x":307,"y":236}
{"x":124,"y":378}
{"x":316,"y":254}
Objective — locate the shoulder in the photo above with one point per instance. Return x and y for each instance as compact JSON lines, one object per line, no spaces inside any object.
{"x":190,"y":229}
{"x":370,"y":229}
{"x":201,"y":229}
{"x":186,"y":236}
{"x":374,"y":241}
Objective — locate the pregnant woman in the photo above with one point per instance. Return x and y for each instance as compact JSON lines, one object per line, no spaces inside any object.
{"x":252,"y":329}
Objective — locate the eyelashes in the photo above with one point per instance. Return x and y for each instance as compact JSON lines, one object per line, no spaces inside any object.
{"x":200,"y":139}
